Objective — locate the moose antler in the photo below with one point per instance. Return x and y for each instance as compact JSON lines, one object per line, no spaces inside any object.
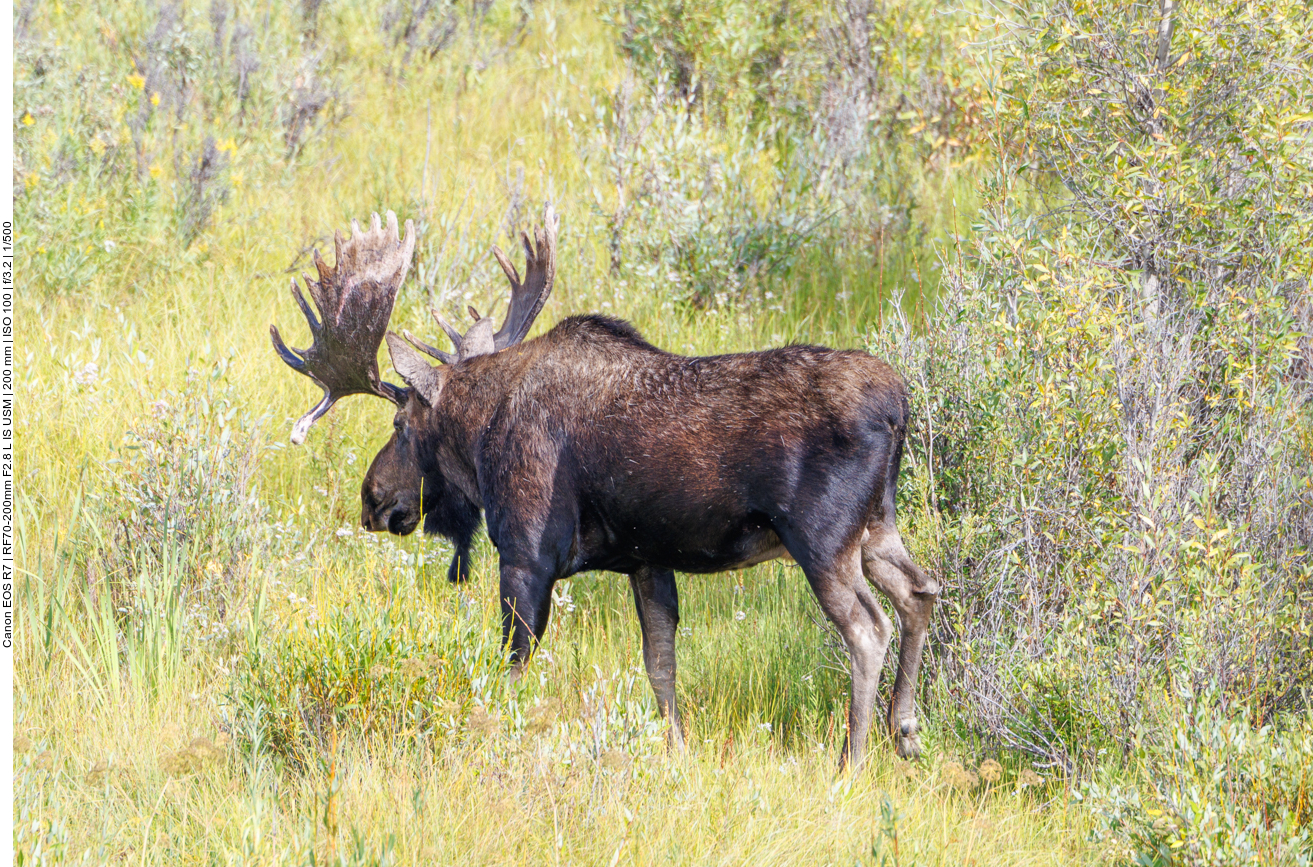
{"x":527,"y":300}
{"x":355,"y":299}
{"x":452,"y":334}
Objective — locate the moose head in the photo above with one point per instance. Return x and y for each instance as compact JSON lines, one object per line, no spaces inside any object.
{"x":404,"y":484}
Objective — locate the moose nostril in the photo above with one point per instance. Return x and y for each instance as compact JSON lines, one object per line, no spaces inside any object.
{"x":374,"y":517}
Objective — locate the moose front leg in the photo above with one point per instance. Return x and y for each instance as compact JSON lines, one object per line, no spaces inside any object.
{"x":526,"y":602}
{"x":657,"y":601}
{"x":459,"y":570}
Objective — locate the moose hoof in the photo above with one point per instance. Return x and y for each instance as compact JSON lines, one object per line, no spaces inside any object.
{"x":908,"y":740}
{"x":675,"y":745}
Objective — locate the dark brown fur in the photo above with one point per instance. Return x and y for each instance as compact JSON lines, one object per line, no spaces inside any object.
{"x":589,"y":449}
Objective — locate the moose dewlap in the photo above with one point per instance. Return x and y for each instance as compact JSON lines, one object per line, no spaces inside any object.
{"x":590,"y":449}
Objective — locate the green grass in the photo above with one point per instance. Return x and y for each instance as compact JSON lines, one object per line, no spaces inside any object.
{"x":248,"y":686}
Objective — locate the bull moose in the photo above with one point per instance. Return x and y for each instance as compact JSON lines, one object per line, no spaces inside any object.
{"x":587,"y":448}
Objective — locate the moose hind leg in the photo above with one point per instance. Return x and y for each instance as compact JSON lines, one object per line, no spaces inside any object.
{"x":913,"y":593}
{"x":866,"y":630}
{"x":657,"y":601}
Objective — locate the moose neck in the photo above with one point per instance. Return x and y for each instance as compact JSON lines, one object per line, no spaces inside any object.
{"x":474,"y":390}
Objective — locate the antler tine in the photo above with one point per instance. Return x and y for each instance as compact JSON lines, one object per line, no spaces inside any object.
{"x":529,"y":296}
{"x":291,"y":357}
{"x":325,"y":272}
{"x":354,"y":299}
{"x":431,"y":351}
{"x":452,"y":334}
{"x":509,"y":267}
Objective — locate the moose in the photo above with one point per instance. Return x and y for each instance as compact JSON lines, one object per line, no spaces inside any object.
{"x":587,"y":448}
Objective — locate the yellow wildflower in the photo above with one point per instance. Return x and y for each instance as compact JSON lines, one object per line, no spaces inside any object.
{"x":137,"y":81}
{"x":154,"y":99}
{"x":27,"y":119}
{"x":156,"y":171}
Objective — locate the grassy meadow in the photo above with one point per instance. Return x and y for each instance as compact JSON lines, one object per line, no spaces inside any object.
{"x":215,"y":665}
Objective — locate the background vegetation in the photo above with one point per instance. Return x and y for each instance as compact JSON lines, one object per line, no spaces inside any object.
{"x":1081,"y":230}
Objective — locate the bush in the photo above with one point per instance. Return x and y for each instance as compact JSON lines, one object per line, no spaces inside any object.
{"x":1217,"y":791}
{"x":182,"y":490}
{"x":741,"y":140}
{"x":432,"y":680}
{"x":154,"y":108}
{"x":1112,"y":455}
{"x":683,"y":206}
{"x":300,"y":685}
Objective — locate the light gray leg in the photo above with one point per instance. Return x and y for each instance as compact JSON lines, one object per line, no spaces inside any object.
{"x":913,"y":593}
{"x":657,"y":601}
{"x":866,"y":630}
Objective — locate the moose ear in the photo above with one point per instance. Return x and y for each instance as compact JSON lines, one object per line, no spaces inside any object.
{"x":418,"y":373}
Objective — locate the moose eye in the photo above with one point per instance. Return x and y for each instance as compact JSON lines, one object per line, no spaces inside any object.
{"x":398,"y":423}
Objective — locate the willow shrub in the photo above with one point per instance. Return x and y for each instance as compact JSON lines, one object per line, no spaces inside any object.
{"x":750,"y":145}
{"x":1112,"y":464}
